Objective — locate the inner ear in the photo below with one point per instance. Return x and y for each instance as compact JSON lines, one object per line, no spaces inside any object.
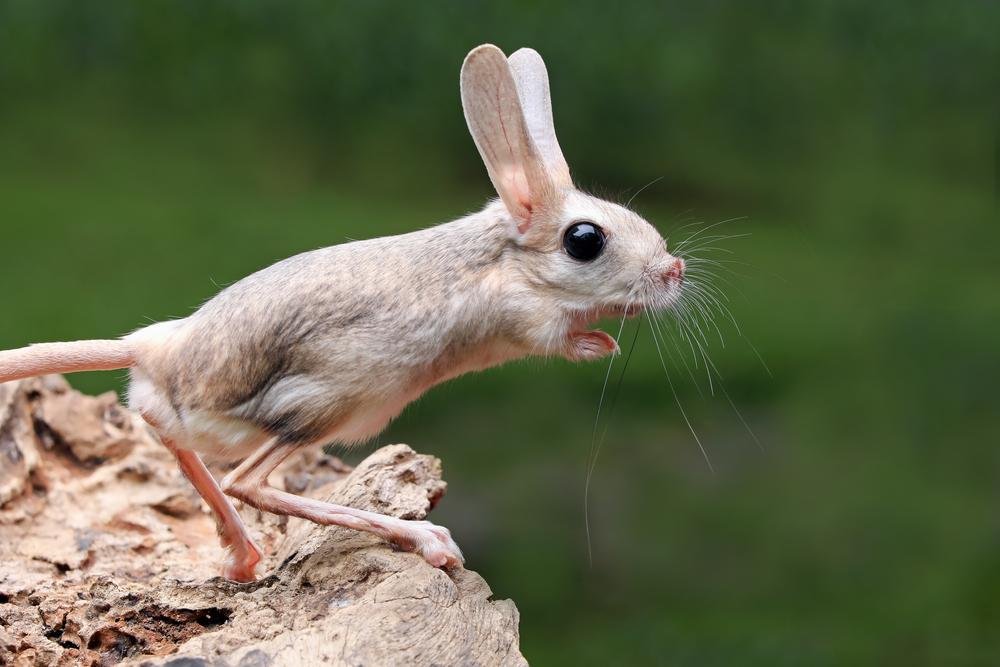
{"x":496,"y":121}
{"x":516,"y":182}
{"x":532,"y":80}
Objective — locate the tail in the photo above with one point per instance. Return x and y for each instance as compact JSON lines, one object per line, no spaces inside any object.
{"x":81,"y":355}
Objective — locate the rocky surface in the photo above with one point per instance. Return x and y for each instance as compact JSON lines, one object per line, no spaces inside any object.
{"x":108,"y":556}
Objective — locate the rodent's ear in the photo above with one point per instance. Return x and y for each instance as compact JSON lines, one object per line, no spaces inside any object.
{"x":532,"y":81}
{"x":496,"y":120}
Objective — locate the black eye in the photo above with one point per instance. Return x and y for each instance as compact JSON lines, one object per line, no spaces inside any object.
{"x":584,"y":241}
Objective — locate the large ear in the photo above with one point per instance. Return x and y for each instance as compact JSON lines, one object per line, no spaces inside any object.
{"x":493,"y":111}
{"x":533,"y":88}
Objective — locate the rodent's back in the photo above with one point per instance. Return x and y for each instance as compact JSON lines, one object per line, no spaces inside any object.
{"x":345,"y":319}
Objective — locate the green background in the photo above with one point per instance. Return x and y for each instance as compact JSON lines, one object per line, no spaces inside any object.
{"x":153,"y":151}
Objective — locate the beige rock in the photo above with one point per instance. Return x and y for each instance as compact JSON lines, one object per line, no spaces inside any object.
{"x":107,"y":556}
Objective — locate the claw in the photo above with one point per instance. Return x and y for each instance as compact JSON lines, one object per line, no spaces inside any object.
{"x":432,"y":542}
{"x":241,"y":567}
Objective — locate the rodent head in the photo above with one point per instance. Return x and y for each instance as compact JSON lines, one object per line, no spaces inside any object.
{"x":591,"y":258}
{"x":594,"y":255}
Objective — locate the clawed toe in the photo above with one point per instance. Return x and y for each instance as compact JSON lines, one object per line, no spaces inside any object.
{"x":240,"y":567}
{"x":432,"y":542}
{"x":239,"y":572}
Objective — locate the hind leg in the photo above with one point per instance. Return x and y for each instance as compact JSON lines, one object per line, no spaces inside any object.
{"x":248,"y":482}
{"x":243,"y":554}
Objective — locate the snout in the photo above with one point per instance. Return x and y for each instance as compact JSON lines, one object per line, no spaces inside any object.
{"x":674,"y":274}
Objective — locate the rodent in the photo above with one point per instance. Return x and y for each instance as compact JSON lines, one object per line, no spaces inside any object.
{"x":330,"y":345}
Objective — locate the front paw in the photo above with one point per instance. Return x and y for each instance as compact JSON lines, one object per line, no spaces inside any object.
{"x":590,"y":345}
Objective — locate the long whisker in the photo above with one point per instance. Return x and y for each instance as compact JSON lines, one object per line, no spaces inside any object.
{"x":595,"y":447}
{"x":677,"y":399}
{"x":683,"y":325}
{"x":695,"y":293}
{"x":704,"y":293}
{"x":729,"y":398}
{"x":696,"y":312}
{"x":659,"y":327}
{"x":714,"y":225}
{"x":684,"y":361}
{"x":705,"y":247}
{"x":707,"y":227}
{"x":709,"y":296}
{"x":712,"y":238}
{"x":639,"y":191}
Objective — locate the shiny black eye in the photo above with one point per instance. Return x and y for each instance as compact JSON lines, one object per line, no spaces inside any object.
{"x":584,"y":241}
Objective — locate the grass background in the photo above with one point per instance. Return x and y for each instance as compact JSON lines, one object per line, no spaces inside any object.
{"x":152,"y":152}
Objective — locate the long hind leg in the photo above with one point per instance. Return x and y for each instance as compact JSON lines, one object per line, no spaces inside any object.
{"x":243,"y":554}
{"x":248,"y":482}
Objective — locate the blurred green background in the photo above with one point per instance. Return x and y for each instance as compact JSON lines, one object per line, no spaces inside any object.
{"x":153,"y":151}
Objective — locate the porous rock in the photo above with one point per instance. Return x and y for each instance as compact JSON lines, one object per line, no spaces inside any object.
{"x":107,"y":556}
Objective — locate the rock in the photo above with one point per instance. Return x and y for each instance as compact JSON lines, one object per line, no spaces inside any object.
{"x":107,"y":556}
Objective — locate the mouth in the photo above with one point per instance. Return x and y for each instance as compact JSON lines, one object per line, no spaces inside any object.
{"x":610,"y":312}
{"x":628,"y":311}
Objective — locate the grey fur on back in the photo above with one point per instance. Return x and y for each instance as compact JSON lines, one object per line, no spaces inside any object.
{"x":338,"y":326}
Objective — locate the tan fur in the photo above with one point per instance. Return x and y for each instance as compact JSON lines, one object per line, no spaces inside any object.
{"x":330,"y":345}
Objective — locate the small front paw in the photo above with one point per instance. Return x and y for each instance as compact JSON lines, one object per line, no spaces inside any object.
{"x":590,"y":345}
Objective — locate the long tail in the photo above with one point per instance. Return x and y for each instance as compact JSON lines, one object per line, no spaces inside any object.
{"x":81,"y":355}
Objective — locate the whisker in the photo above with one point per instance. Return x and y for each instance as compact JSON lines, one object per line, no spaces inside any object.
{"x":696,"y":313}
{"x":639,"y":191}
{"x":595,"y":447}
{"x":684,"y":361}
{"x":695,"y":296}
{"x":704,"y":294}
{"x":713,"y":248}
{"x":698,"y":232}
{"x":716,"y":224}
{"x":713,"y":238}
{"x":677,"y":399}
{"x":732,"y":403}
{"x":687,"y":367}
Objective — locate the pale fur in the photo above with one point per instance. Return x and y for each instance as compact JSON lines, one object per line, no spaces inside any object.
{"x":332,"y":344}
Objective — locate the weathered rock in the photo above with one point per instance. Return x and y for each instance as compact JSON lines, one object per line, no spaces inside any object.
{"x":107,"y":556}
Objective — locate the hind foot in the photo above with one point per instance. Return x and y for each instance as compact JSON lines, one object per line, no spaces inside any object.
{"x":432,"y":542}
{"x":241,"y":563}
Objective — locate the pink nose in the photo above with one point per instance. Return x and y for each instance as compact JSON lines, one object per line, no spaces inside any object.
{"x":675,"y":274}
